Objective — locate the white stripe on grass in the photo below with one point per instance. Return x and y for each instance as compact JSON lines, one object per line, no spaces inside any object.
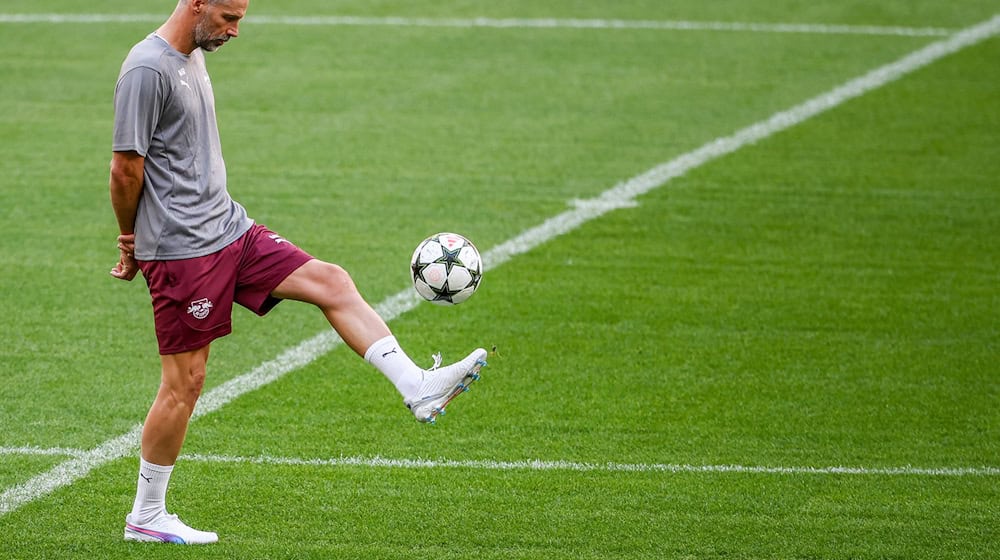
{"x":512,"y":23}
{"x":67,"y":472}
{"x":539,"y":465}
{"x":42,"y":451}
{"x":619,"y":196}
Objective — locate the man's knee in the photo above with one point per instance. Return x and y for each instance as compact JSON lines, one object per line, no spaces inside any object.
{"x":334,"y":275}
{"x":184,"y":377}
{"x":196,"y":379}
{"x":334,"y":284}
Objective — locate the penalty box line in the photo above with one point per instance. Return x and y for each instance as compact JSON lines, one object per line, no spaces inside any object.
{"x":622,"y":195}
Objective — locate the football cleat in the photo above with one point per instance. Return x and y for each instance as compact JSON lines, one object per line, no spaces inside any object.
{"x":166,"y":528}
{"x":441,"y":385}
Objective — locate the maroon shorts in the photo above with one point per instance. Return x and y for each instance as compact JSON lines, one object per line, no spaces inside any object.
{"x":193,"y":298}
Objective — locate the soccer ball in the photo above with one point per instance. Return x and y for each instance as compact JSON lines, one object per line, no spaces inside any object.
{"x":446,"y":269}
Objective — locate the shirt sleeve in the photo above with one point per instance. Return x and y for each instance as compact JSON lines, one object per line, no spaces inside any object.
{"x":138,"y":106}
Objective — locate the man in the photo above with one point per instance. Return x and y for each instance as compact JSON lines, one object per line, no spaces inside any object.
{"x":199,"y":252}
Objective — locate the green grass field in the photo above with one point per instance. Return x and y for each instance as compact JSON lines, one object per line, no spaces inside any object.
{"x":789,"y":351}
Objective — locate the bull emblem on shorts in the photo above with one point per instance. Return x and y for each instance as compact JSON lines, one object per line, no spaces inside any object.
{"x":200,"y":308}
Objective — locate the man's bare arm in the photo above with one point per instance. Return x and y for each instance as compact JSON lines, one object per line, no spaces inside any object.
{"x":125,"y":187}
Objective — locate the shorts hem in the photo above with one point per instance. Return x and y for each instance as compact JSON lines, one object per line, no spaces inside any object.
{"x":263,"y":302}
{"x":209,"y":337}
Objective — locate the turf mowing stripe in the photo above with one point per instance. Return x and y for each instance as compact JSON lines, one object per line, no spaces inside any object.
{"x":619,"y":196}
{"x":512,"y":23}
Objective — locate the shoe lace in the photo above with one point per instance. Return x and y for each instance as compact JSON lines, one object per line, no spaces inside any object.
{"x":437,"y":361}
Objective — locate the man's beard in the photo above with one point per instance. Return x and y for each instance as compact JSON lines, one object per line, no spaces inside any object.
{"x":204,"y":40}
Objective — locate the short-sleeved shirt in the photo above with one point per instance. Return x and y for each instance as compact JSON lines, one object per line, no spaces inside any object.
{"x":165,"y":112}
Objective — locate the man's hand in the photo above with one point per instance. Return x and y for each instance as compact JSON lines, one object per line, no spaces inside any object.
{"x":127,"y":268}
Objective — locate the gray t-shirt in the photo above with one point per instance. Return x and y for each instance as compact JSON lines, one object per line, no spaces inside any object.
{"x":165,"y":111}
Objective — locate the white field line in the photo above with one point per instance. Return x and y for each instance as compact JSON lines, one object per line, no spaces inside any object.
{"x":42,"y":451}
{"x":539,"y":465}
{"x":512,"y":23}
{"x":621,"y":195}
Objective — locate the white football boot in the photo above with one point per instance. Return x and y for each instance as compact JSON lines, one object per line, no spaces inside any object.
{"x":168,"y":529}
{"x":441,"y":385}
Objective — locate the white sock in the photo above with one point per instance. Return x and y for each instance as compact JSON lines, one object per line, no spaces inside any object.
{"x":151,"y":492}
{"x":386,"y":355}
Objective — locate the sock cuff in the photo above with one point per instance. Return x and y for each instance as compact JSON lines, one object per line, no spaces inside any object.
{"x":144,"y":464}
{"x":377,"y":347}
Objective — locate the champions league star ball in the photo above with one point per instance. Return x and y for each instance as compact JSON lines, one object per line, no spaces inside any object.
{"x":446,"y":269}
